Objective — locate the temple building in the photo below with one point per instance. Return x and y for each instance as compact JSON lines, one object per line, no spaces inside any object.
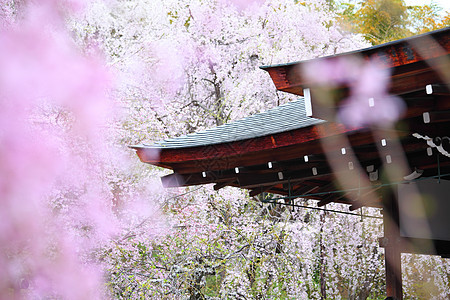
{"x":321,"y":147}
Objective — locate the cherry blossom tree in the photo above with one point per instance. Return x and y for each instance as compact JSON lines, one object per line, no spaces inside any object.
{"x":58,"y":196}
{"x":82,"y":80}
{"x":185,"y":66}
{"x":202,"y":57}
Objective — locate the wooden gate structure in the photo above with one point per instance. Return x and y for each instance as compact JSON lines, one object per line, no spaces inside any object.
{"x":299,"y":150}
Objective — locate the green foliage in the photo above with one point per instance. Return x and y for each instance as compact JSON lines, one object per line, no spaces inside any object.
{"x":381,"y":21}
{"x":425,"y":18}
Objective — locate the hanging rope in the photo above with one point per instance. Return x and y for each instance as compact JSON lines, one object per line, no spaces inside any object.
{"x":358,"y":188}
{"x":292,"y":197}
{"x":439,"y":169}
{"x":321,"y":209}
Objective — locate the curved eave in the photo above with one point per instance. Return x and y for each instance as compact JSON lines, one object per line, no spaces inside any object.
{"x":258,"y":150}
{"x":417,"y":49}
{"x":368,"y":50}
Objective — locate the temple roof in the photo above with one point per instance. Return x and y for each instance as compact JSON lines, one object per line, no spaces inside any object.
{"x":299,"y":150}
{"x":369,"y":50}
{"x":286,"y":117}
{"x":282,"y":151}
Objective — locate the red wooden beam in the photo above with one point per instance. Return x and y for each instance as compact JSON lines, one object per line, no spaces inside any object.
{"x":289,"y":77}
{"x":248,"y":152}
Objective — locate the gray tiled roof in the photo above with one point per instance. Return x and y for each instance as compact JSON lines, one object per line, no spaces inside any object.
{"x":282,"y":118}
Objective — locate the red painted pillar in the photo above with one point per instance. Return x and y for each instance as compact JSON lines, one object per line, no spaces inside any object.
{"x":392,"y":247}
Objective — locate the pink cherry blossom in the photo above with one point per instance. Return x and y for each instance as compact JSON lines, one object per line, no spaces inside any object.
{"x":369,"y":102}
{"x":243,"y":4}
{"x":82,"y":218}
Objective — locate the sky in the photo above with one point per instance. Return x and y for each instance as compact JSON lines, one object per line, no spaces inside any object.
{"x":445,"y":4}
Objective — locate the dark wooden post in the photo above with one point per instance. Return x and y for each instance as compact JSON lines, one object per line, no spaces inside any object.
{"x":323,"y":286}
{"x":392,"y":248}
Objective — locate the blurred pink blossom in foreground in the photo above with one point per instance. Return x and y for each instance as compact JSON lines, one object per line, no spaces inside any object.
{"x":369,"y":102}
{"x":52,"y":103}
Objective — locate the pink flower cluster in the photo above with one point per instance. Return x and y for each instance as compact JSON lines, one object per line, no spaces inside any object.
{"x":243,"y":4}
{"x":369,"y":102}
{"x":52,"y":102}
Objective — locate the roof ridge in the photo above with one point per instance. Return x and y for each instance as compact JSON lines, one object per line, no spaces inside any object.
{"x":287,"y":116}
